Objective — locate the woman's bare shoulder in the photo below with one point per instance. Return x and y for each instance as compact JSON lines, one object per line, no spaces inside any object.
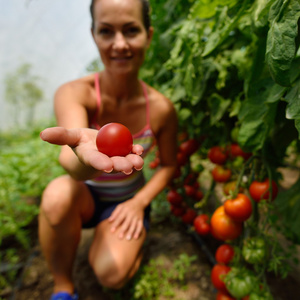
{"x":77,"y":88}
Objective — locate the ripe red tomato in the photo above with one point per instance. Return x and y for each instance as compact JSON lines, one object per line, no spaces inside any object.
{"x":189,"y":147}
{"x":236,"y":150}
{"x":223,"y":296}
{"x":178,"y":211}
{"x":218,"y":155}
{"x":201,"y":224}
{"x":223,"y":227}
{"x":182,"y":159}
{"x":239,"y":209}
{"x":154,"y":163}
{"x":217,"y":275}
{"x":198,"y":195}
{"x":114,"y":139}
{"x":189,"y":216}
{"x":224,"y":254}
{"x":220,"y":174}
{"x":260,"y":190}
{"x":189,"y":190}
{"x":174,"y":198}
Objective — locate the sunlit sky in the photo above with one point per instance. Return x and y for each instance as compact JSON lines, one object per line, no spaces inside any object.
{"x":53,"y":36}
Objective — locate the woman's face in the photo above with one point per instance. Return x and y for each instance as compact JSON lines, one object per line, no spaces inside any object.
{"x":120,"y":35}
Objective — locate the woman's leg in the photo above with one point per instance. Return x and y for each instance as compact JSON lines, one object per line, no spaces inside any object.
{"x":114,"y":260}
{"x":66,"y":204}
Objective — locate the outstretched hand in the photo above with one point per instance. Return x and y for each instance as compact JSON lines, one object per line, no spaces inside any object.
{"x":83,"y":143}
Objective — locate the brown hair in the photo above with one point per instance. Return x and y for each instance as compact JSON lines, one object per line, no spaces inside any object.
{"x":145,"y":13}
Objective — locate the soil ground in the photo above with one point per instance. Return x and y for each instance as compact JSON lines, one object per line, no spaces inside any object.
{"x":166,"y":241}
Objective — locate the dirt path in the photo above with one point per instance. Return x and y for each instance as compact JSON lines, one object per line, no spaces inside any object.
{"x":165,"y":241}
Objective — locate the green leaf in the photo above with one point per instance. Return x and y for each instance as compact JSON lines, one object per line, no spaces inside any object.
{"x":281,"y":46}
{"x":293,"y":106}
{"x":225,"y":25}
{"x":207,"y":8}
{"x":288,"y":207}
{"x":218,"y":106}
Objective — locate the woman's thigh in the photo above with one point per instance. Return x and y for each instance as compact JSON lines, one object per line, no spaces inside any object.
{"x":64,"y":197}
{"x":112,"y":256}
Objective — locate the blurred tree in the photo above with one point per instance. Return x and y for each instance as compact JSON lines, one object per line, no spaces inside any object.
{"x":23,"y":93}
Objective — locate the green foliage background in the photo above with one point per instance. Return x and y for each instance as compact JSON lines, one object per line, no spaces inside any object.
{"x":233,"y":66}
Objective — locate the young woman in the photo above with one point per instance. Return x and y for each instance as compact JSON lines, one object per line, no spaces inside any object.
{"x":107,"y":193}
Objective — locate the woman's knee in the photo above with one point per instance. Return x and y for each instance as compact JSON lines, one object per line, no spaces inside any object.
{"x":58,"y":199}
{"x":109,"y":274}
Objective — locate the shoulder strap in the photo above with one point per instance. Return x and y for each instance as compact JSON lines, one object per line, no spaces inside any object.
{"x":147,"y":102}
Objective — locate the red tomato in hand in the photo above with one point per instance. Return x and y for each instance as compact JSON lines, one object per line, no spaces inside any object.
{"x":224,"y":254}
{"x":114,"y":139}
{"x":239,"y":209}
{"x":217,"y":275}
{"x":174,"y":198}
{"x":221,"y":174}
{"x":260,"y":190}
{"x":223,"y":227}
{"x":218,"y":155}
{"x":201,"y":224}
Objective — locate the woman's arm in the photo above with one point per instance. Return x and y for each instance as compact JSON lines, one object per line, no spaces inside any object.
{"x":79,"y":155}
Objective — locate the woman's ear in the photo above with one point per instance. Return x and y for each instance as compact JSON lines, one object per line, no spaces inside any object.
{"x":150,"y":36}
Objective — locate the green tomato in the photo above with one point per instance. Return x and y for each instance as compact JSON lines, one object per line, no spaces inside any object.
{"x":239,"y":283}
{"x":254,"y":250}
{"x":261,"y":296}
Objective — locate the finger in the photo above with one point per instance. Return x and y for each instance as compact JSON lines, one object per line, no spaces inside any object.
{"x":122,"y":164}
{"x":137,"y":149}
{"x":131,"y":230}
{"x":136,"y":161}
{"x":61,"y":136}
{"x":99,"y":161}
{"x":138,"y":230}
{"x":117,"y":222}
{"x":125,"y":226}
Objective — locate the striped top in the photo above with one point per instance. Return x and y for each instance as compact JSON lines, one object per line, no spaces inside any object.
{"x":118,"y":186}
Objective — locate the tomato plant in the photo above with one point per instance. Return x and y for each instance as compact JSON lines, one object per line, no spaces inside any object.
{"x":221,"y":174}
{"x":218,"y":273}
{"x":239,"y":208}
{"x":229,"y":187}
{"x":114,"y":139}
{"x":254,"y":250}
{"x":201,"y":224}
{"x":223,"y":227}
{"x":218,"y":155}
{"x":236,"y":151}
{"x":189,"y":190}
{"x":240,"y":282}
{"x":261,"y":190}
{"x":224,"y":254}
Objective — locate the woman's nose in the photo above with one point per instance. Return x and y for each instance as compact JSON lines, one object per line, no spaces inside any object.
{"x":120,"y":41}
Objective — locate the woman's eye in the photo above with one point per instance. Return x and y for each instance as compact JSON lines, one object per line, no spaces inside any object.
{"x":104,"y":31}
{"x":132,"y":30}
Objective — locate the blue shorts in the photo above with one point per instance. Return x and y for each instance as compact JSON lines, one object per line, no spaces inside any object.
{"x":103,"y":210}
